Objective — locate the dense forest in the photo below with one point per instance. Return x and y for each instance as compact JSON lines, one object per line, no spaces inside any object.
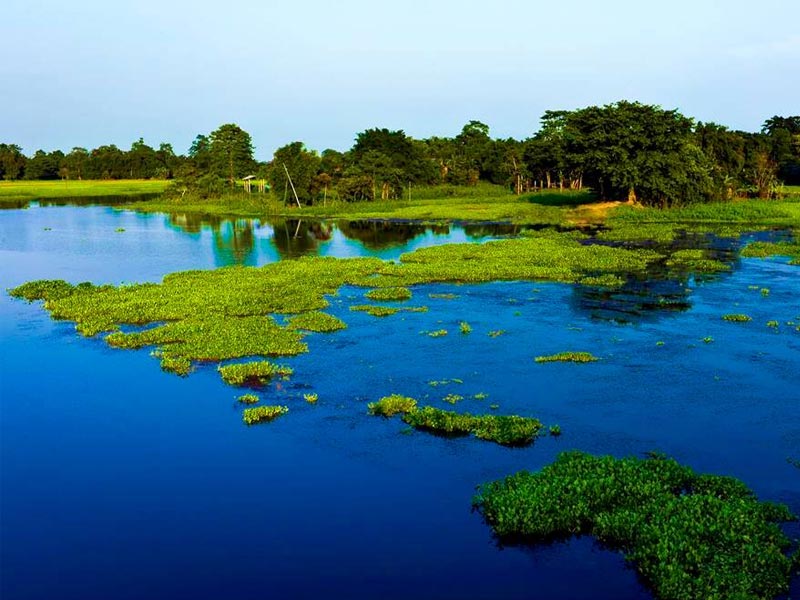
{"x":624,"y":150}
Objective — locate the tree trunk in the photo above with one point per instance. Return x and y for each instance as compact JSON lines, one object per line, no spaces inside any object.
{"x":631,"y":195}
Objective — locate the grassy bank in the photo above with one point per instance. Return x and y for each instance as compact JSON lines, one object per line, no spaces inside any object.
{"x":20,"y":192}
{"x":440,"y":203}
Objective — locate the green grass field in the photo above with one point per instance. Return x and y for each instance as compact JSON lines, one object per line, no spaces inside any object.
{"x":19,"y":192}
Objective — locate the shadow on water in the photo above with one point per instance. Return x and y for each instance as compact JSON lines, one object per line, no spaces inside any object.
{"x":664,"y":288}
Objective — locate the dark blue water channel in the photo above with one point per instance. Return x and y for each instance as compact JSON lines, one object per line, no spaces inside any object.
{"x":121,"y":481}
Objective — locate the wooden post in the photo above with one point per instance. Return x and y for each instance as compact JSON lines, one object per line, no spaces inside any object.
{"x":294,"y":191}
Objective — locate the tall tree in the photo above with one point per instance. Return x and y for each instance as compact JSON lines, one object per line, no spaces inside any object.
{"x":12,"y":161}
{"x":302,"y":166}
{"x":231,"y":152}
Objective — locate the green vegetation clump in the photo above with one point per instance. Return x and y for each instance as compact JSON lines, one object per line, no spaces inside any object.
{"x":176,"y":364}
{"x":465,"y":327}
{"x":604,"y":281}
{"x":389,"y":406}
{"x":578,"y":357}
{"x":496,"y":333}
{"x":263,"y":414}
{"x":555,"y":430}
{"x":389,"y":294}
{"x":316,"y":321}
{"x":248,"y":399}
{"x":480,"y":396}
{"x":437,"y":333}
{"x":375,"y":311}
{"x":252,"y":373}
{"x":737,"y":318}
{"x":767,"y":249}
{"x":773,"y":324}
{"x":319,"y":322}
{"x":443,"y":296}
{"x":697,"y":261}
{"x":453,"y":398}
{"x":311,"y":398}
{"x":507,"y":430}
{"x":690,"y":536}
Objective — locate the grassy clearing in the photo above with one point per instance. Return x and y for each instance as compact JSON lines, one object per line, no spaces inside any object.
{"x":576,"y":357}
{"x":13,"y":192}
{"x":689,"y":535}
{"x":263,"y":414}
{"x":746,"y":213}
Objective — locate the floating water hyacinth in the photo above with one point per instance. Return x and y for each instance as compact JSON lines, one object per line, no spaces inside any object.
{"x":672,"y":523}
{"x":253,"y":373}
{"x":263,"y":414}
{"x":576,"y":357}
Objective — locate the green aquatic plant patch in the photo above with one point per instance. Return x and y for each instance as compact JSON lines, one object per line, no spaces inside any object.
{"x":689,"y":535}
{"x":737,"y":318}
{"x":248,"y":399}
{"x":389,"y":406}
{"x":507,"y":430}
{"x":576,"y":357}
{"x":375,"y":311}
{"x":453,"y":398}
{"x":319,"y":322}
{"x":437,"y":333}
{"x":252,"y":373}
{"x":389,"y":294}
{"x":768,"y":249}
{"x":228,"y":313}
{"x":695,"y":260}
{"x":263,"y":414}
{"x":175,"y":364}
{"x":311,"y":398}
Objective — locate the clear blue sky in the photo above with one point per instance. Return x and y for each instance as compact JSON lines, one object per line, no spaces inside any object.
{"x":88,"y":72}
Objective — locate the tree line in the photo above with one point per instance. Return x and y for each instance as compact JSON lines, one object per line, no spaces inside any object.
{"x":621,"y":150}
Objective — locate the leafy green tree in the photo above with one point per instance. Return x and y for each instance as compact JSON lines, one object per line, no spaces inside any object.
{"x":12,"y":162}
{"x":107,"y":162}
{"x":726,"y":151}
{"x":231,"y":152}
{"x":44,"y":165}
{"x":302,"y":166}
{"x":75,"y":162}
{"x":784,"y":136}
{"x":638,"y":150}
{"x":392,"y":152}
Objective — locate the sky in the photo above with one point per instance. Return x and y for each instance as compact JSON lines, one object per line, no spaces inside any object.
{"x":91,"y":72}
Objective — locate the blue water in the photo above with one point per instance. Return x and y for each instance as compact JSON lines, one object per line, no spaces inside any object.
{"x":121,"y":481}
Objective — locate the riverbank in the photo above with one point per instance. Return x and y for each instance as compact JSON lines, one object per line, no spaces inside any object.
{"x":19,"y":193}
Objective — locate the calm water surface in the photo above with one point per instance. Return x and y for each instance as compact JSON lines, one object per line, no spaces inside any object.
{"x":120,"y":481}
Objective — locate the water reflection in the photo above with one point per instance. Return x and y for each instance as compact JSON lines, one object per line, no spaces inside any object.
{"x":255,"y":241}
{"x":663,"y":288}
